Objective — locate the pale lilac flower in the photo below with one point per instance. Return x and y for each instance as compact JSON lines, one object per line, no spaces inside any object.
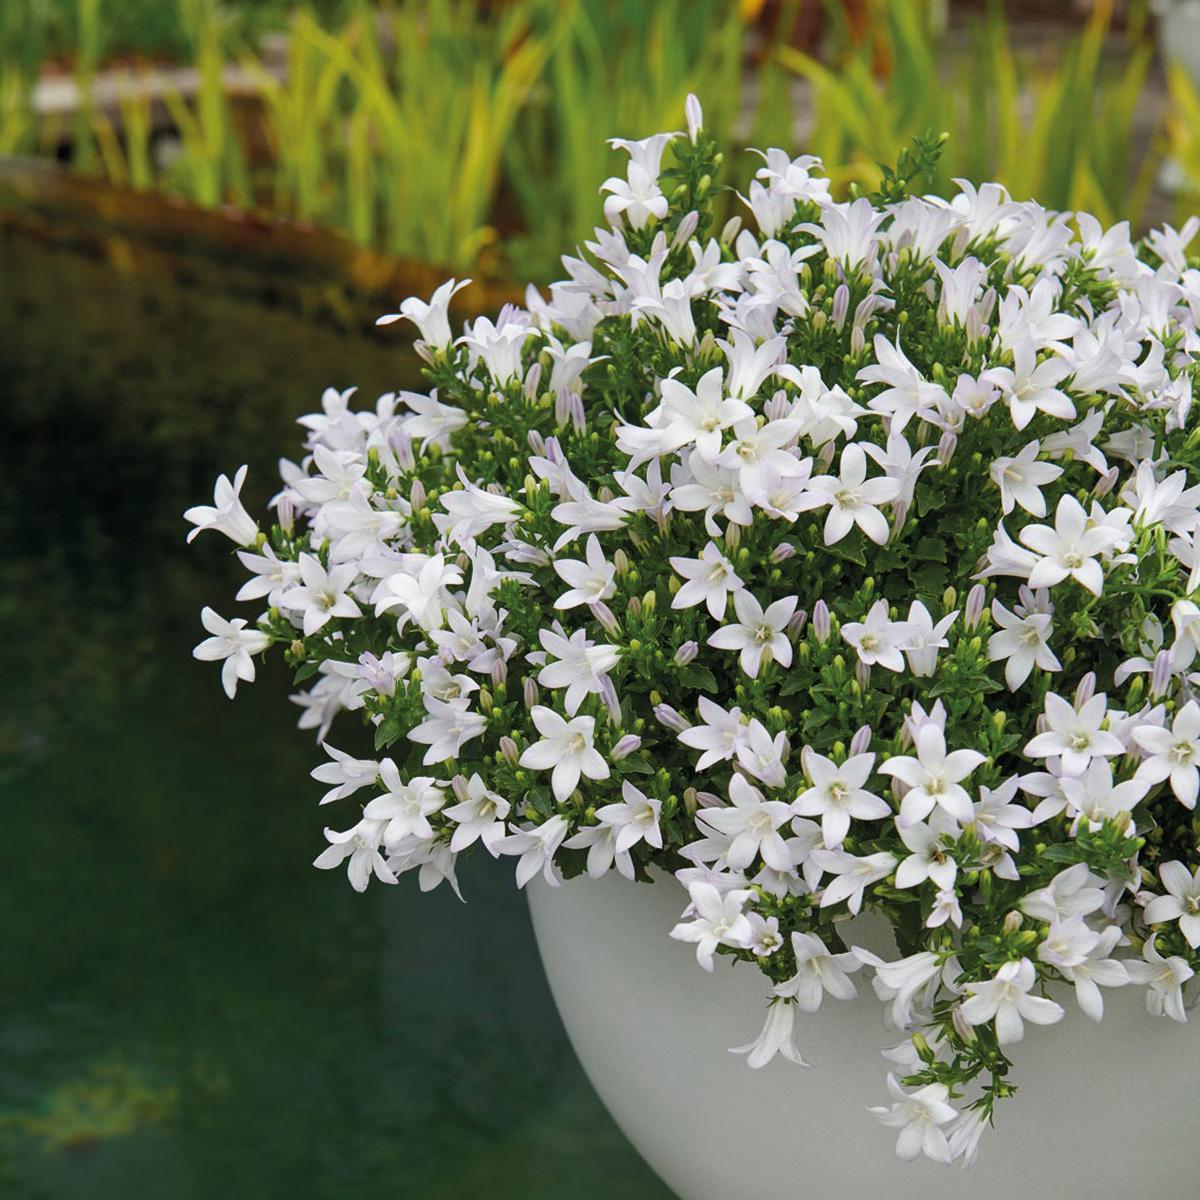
{"x":347,"y":774}
{"x":360,"y":846}
{"x":925,"y":639}
{"x":854,"y":499}
{"x":718,"y":737}
{"x":322,"y":594}
{"x":1022,"y":643}
{"x":753,"y":824}
{"x":535,"y":849}
{"x":432,"y":319}
{"x":634,"y":819}
{"x":1022,"y":478}
{"x":576,"y":664}
{"x":406,"y":805}
{"x":1070,"y":548}
{"x":853,"y":875}
{"x":878,"y":639}
{"x":479,"y":816}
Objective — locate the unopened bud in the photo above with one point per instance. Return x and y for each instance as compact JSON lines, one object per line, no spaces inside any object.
{"x":1086,"y":689}
{"x":841,"y":306}
{"x":973,"y":610}
{"x":686,"y":654}
{"x":783,"y":552}
{"x":670,"y":718}
{"x":624,"y":747}
{"x":459,"y":787}
{"x":418,"y":497}
{"x":533,"y":377}
{"x":529,"y":692}
{"x":821,"y":625}
{"x":796,"y":624}
{"x":687,"y":227}
{"x":606,"y":617}
{"x":508,"y":748}
{"x":861,"y":740}
{"x":694,"y":115}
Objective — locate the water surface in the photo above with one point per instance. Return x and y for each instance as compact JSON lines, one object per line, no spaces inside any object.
{"x":187,"y":1008}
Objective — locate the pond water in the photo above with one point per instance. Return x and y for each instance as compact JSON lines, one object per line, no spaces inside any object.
{"x":187,"y":1008}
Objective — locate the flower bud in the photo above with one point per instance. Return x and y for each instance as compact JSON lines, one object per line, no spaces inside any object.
{"x":694,"y":115}
{"x":508,"y":748}
{"x":862,"y":673}
{"x":1086,"y":689}
{"x":418,"y":497}
{"x":1106,"y":482}
{"x":686,"y":654}
{"x":821,"y":621}
{"x":537,"y":443}
{"x":529,"y":692}
{"x":858,"y":341}
{"x":687,"y":227}
{"x":730,"y":230}
{"x":973,"y":610}
{"x":669,"y":718}
{"x":796,"y":624}
{"x":606,"y":617}
{"x":562,"y":408}
{"x":841,"y":306}
{"x":783,"y":552}
{"x":947,"y":444}
{"x":733,"y":536}
{"x":499,"y":672}
{"x":1160,"y":680}
{"x":691,"y":801}
{"x":777,"y":407}
{"x":861,"y":740}
{"x":459,"y":786}
{"x":625,"y":747}
{"x":533,"y":377}
{"x":402,"y":447}
{"x":287,"y":514}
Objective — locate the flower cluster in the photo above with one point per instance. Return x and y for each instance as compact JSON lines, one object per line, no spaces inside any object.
{"x":847,"y":560}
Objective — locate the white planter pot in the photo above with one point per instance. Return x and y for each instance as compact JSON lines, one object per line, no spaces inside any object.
{"x":1105,"y":1111}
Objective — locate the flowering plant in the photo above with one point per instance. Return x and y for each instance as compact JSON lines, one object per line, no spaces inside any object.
{"x":844,"y":563}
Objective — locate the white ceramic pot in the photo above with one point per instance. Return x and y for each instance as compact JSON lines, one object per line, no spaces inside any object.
{"x":1105,"y":1112}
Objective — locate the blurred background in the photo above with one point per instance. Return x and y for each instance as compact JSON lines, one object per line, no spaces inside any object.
{"x":203,"y":206}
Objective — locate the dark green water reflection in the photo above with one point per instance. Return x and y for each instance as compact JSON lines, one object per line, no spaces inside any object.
{"x":187,"y":1008}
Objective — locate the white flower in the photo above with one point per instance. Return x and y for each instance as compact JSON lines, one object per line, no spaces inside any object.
{"x":473,"y":511}
{"x":1075,"y":734}
{"x":854,"y":499}
{"x":719,"y":736}
{"x":1068,"y":549}
{"x":1173,"y":754}
{"x":878,"y":639}
{"x":930,"y":859}
{"x":536,"y":848}
{"x":901,"y":981}
{"x":234,"y":643}
{"x":322,"y":594}
{"x":432,"y":319}
{"x":759,"y":636}
{"x":718,"y":921}
{"x":639,"y":197}
{"x":448,"y":726}
{"x":906,"y":392}
{"x":227,"y":514}
{"x":925,"y":639}
{"x":1082,"y":956}
{"x":854,"y":875}
{"x":581,"y":667}
{"x":634,"y":820}
{"x":1182,"y":902}
{"x":347,"y":774}
{"x":919,"y":1116}
{"x":758,"y":456}
{"x":753,"y":822}
{"x":776,"y":1038}
{"x":698,"y":417}
{"x":1021,"y":480}
{"x":1024,"y":642}
{"x":1006,"y":998}
{"x":566,"y":749}
{"x":1093,"y":797}
{"x":1071,"y":893}
{"x":818,"y":972}
{"x":1165,"y":977}
{"x":419,"y":594}
{"x":1031,"y":386}
{"x":361,"y":846}
{"x":406,"y":806}
{"x":838,"y":793}
{"x":499,"y":345}
{"x":710,"y":580}
{"x":480,"y":816}
{"x":590,"y":582}
{"x":933,"y":778}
